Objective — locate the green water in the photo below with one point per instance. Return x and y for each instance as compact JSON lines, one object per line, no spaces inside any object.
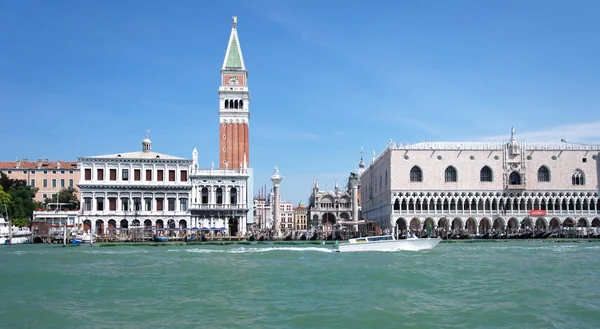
{"x":517,"y":284}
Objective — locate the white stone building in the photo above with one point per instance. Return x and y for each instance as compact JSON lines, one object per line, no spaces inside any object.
{"x":221,"y":199}
{"x":156,"y":190}
{"x":480,"y":186}
{"x":143,"y":188}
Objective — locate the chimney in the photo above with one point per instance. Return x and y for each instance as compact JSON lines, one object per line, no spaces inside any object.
{"x":57,"y":164}
{"x":18,"y":164}
{"x":39,"y":165}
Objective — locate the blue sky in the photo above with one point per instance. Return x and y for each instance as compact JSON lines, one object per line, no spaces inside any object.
{"x":326,"y":78}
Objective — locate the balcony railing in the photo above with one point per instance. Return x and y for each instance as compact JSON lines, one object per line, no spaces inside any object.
{"x":514,"y":187}
{"x":494,"y":213}
{"x":219,"y":172}
{"x":212,"y":206}
{"x":121,"y":213}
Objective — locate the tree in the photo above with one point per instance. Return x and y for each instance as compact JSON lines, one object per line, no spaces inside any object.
{"x":9,"y":184}
{"x":66,"y":195}
{"x":4,"y":198}
{"x":21,"y":204}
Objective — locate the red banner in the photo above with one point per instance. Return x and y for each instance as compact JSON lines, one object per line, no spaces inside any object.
{"x":537,"y":212}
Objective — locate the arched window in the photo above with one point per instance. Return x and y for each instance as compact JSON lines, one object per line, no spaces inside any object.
{"x":204,"y":195}
{"x":226,"y":103}
{"x":235,"y":104}
{"x":219,"y":195}
{"x":485,"y":175}
{"x":241,"y":104}
{"x":450,"y":174}
{"x":233,"y":196}
{"x":416,"y":175}
{"x":578,"y":178}
{"x":543,"y":174}
{"x":514,"y":178}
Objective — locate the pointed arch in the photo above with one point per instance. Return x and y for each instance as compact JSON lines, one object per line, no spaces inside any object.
{"x":514,"y":178}
{"x":450,"y":174}
{"x":416,"y":174}
{"x":543,"y":174}
{"x":578,"y":177}
{"x":485,"y":174}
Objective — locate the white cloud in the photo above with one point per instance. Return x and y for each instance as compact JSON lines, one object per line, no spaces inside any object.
{"x":576,"y":132}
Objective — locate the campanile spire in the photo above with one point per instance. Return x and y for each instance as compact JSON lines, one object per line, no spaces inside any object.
{"x":234,"y":106}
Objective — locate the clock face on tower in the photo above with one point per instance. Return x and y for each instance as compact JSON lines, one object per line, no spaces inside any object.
{"x":233,"y":81}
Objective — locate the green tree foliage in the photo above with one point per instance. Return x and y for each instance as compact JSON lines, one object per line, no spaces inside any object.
{"x":21,"y":203}
{"x":66,"y":195}
{"x":4,"y":198}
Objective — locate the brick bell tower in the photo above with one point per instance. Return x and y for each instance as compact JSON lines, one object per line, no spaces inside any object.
{"x":234,"y":107}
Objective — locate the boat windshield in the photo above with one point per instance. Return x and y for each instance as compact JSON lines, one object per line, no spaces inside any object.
{"x":379,"y":238}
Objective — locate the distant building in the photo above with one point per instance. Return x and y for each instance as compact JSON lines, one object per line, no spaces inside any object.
{"x":329,"y":208}
{"x":478,"y":187}
{"x":48,"y":176}
{"x":300,"y":218}
{"x":287,"y":216}
{"x":263,"y":213}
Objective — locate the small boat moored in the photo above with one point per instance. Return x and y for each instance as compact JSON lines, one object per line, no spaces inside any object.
{"x":157,"y":238}
{"x":387,"y":243}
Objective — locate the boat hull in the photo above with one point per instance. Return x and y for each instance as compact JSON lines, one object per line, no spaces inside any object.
{"x":15,"y":240}
{"x":395,"y":245}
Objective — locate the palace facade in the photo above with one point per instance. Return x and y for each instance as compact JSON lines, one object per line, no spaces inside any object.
{"x":482,"y":186}
{"x":143,"y":188}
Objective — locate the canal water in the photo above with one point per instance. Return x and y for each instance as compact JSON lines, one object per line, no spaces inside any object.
{"x":515,"y":284}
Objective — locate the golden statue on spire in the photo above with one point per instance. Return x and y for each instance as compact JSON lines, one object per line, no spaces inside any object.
{"x":234,"y":21}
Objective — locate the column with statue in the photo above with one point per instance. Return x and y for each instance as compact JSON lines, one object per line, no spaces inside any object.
{"x":276,"y":179}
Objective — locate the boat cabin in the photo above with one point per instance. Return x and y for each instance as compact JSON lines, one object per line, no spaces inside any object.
{"x":368,"y":239}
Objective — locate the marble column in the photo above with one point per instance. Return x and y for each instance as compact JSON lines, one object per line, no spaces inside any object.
{"x":354,"y":185}
{"x":276,"y":179}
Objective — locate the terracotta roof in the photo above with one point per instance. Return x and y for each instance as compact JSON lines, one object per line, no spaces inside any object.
{"x":38,"y":165}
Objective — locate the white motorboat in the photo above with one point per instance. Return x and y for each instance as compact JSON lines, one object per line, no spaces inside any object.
{"x":19,"y":235}
{"x":83,"y":237}
{"x":387,"y":243}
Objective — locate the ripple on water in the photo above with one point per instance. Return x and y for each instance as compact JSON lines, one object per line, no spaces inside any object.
{"x":477,"y":285}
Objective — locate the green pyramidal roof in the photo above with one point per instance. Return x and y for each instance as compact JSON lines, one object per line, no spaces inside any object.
{"x":234,"y":59}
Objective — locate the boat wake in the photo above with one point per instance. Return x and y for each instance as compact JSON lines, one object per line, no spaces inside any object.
{"x":245,"y":250}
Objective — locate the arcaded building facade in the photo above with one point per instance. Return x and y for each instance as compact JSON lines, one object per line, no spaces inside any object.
{"x":329,"y":207}
{"x":479,"y":187}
